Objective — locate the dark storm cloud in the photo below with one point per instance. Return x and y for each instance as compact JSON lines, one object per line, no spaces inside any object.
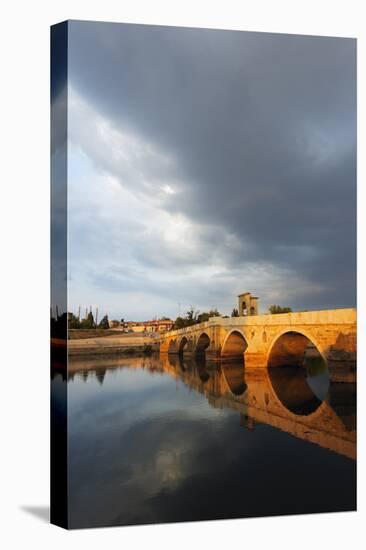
{"x":263,"y":129}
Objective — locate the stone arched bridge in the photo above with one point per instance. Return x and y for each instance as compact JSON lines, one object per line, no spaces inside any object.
{"x":273,"y":340}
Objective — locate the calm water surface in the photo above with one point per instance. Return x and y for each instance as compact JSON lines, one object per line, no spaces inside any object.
{"x":162,"y":440}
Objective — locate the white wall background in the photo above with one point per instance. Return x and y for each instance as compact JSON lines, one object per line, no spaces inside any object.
{"x":24,"y":273}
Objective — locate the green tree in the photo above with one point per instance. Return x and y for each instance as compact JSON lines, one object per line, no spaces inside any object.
{"x":203,"y":317}
{"x":88,"y":322}
{"x":179,"y":323}
{"x":73,"y":321}
{"x":104,"y":323}
{"x":278,"y":309}
{"x":235,"y":312}
{"x":206,"y":315}
{"x":214,"y":313}
{"x":191,"y":316}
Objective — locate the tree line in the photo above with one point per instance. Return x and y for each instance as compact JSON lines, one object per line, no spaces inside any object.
{"x":88,"y":322}
{"x":192,"y":317}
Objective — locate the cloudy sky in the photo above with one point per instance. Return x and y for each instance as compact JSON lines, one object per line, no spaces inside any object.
{"x":205,"y":163}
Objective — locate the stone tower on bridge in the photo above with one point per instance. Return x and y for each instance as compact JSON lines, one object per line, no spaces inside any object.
{"x":247,"y":304}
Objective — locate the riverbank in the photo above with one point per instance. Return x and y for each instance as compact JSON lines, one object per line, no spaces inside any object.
{"x":82,"y":333}
{"x":121,"y":344}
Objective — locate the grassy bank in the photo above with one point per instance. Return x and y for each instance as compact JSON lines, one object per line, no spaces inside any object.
{"x":81,"y":333}
{"x":121,"y":344}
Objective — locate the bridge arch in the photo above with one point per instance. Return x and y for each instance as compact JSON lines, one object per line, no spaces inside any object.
{"x":183,"y":344}
{"x":172,"y":347}
{"x":288,"y":348}
{"x":302,"y":391}
{"x":202,"y":344}
{"x":234,"y":346}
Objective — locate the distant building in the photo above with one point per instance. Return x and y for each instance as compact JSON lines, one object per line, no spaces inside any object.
{"x":247,"y":304}
{"x":148,"y":326}
{"x":114,"y":324}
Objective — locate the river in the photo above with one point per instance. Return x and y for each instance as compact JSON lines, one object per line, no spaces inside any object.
{"x":162,"y":439}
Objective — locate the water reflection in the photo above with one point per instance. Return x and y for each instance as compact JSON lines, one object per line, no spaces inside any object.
{"x":234,"y":374}
{"x":342,"y":400}
{"x":317,"y":376}
{"x":276,"y":395}
{"x":202,"y":370}
{"x":301,"y":389}
{"x":174,"y":438}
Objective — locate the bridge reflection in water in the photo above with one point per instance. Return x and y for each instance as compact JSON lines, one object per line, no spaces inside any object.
{"x":299,"y":401}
